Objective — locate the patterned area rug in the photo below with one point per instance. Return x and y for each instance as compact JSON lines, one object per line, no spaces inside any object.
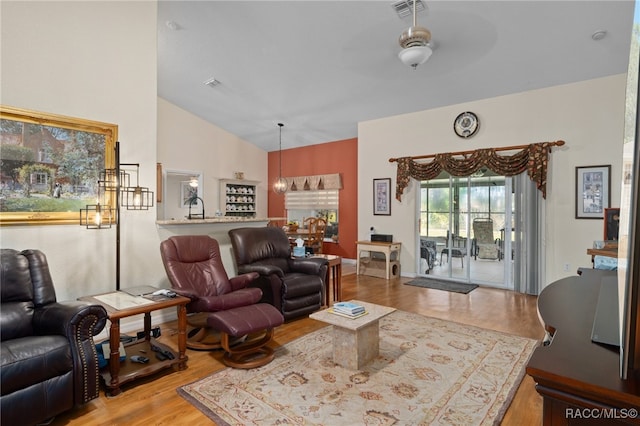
{"x":443,"y":285}
{"x":429,"y":372}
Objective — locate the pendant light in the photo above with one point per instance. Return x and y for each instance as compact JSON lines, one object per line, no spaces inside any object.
{"x":280,"y":185}
{"x":415,"y":44}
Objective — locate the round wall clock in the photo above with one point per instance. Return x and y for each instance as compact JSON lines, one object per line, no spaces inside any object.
{"x":466,"y":124}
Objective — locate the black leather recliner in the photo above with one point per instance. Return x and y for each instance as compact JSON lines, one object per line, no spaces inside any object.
{"x":293,"y":285}
{"x":48,"y":360}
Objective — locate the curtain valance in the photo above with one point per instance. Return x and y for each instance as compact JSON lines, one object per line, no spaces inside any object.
{"x":315,"y":182}
{"x":532,"y":158}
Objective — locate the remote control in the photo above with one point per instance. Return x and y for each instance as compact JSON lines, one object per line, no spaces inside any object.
{"x":139,"y":359}
{"x":162,"y":354}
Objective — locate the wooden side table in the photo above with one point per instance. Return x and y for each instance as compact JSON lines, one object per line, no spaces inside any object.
{"x":121,"y":305}
{"x":381,"y":247}
{"x":608,"y":252}
{"x":335,"y":273}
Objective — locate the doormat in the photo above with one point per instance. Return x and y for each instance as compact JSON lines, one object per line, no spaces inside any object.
{"x":453,"y":286}
{"x":428,"y":372}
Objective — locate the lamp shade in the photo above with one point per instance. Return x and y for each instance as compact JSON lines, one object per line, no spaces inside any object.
{"x":280,"y":185}
{"x":415,"y":55}
{"x":112,"y":179}
{"x":96,"y":216}
{"x":136,"y":198}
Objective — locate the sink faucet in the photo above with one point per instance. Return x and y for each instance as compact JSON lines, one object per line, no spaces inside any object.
{"x":192,"y":201}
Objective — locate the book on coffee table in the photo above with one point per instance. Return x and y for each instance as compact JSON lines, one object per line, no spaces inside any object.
{"x":333,"y":311}
{"x":348,"y":308}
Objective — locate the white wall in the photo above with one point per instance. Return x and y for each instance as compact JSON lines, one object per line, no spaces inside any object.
{"x":98,"y":60}
{"x":186,"y":142}
{"x":588,"y":115}
{"x":93,"y":60}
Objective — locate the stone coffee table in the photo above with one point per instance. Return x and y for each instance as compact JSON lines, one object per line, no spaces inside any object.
{"x":355,"y":341}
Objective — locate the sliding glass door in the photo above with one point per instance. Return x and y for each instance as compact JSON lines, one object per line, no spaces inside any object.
{"x":466,"y":229}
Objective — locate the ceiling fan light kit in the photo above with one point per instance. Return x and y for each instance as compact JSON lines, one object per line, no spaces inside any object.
{"x":415,"y":44}
{"x":415,"y":55}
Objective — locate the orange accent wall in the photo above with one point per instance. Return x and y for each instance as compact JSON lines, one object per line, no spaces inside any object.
{"x":331,"y":157}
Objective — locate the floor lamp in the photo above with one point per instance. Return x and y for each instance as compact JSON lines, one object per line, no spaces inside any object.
{"x":115,"y":182}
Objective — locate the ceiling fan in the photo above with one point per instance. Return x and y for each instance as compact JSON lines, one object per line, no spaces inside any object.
{"x":415,"y":45}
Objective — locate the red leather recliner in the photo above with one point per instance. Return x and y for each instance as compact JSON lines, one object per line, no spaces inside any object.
{"x":194,"y":268}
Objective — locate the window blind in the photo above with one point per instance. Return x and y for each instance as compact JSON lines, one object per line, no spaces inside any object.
{"x":316,"y":200}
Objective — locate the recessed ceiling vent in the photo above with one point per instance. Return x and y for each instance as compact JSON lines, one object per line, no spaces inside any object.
{"x":212,"y":82}
{"x":404,"y":8}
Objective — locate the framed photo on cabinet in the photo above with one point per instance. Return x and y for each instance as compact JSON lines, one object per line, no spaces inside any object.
{"x":611,"y":223}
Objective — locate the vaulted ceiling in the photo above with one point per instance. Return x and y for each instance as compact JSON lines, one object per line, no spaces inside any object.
{"x":320,"y":67}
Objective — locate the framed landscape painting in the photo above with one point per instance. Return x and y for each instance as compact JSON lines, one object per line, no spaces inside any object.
{"x":50,"y":165}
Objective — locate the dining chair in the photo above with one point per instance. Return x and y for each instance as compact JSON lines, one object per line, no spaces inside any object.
{"x":316,"y":227}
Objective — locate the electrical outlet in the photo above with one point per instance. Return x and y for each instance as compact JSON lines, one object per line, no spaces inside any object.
{"x":566,"y":267}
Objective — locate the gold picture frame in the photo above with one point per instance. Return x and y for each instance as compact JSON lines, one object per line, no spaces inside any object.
{"x":50,"y":165}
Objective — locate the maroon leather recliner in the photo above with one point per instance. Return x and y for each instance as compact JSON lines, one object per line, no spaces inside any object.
{"x":194,"y":268}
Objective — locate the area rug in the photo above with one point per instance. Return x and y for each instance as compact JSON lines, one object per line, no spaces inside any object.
{"x":428,"y":372}
{"x":442,"y":285}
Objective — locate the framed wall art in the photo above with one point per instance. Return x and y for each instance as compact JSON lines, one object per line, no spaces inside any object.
{"x":50,"y":165}
{"x":382,"y":196}
{"x":187,"y":192}
{"x":593,"y":191}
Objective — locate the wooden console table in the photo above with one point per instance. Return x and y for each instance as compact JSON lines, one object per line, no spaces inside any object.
{"x":116,"y":372}
{"x":381,"y":247}
{"x":608,"y":252}
{"x":575,"y":376}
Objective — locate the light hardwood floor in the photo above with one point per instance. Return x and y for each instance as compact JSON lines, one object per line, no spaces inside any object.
{"x":154,"y":400}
